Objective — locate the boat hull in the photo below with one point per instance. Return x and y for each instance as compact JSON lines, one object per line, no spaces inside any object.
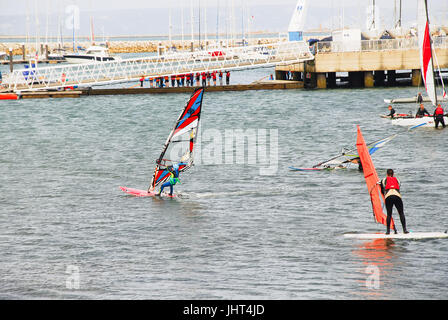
{"x":423,"y":122}
{"x":76,"y":59}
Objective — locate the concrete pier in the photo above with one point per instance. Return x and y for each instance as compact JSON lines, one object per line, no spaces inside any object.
{"x":367,"y":67}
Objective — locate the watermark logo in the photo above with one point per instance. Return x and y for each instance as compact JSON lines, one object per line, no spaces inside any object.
{"x":254,"y":147}
{"x":373,"y":280}
{"x":72,"y":280}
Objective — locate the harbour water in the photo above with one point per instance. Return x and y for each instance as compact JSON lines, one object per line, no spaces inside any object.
{"x":235,"y":234}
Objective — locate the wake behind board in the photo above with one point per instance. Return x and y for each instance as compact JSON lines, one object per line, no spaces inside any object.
{"x":144,"y":193}
{"x":410,"y":235}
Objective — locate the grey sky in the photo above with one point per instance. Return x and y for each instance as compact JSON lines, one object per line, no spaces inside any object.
{"x":143,"y":17}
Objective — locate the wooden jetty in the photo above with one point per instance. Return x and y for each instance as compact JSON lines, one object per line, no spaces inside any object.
{"x":264,"y":85}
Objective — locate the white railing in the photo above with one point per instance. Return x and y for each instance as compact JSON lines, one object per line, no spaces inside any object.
{"x":377,"y":45}
{"x":100,"y":73}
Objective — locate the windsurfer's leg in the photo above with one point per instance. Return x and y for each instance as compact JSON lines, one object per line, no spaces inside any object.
{"x":389,"y":205}
{"x":171,"y":189}
{"x":166,"y":184}
{"x":399,"y":206}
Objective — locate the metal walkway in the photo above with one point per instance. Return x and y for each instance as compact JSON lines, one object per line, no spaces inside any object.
{"x":124,"y":70}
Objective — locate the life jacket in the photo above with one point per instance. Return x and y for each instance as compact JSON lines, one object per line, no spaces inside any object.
{"x":439,"y":111}
{"x":392,"y":183}
{"x":174,"y":177}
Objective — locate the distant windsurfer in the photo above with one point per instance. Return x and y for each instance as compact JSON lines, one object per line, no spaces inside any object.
{"x":390,"y":187}
{"x":438,"y":116}
{"x":173,"y":179}
{"x":422,"y":111}
{"x":392,"y":112}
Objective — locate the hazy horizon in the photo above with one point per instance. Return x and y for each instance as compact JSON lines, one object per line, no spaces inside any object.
{"x":143,"y":18}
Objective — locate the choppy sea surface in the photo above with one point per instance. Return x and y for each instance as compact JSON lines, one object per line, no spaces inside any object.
{"x":68,"y":232}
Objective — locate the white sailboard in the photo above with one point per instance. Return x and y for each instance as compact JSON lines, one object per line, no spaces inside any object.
{"x":410,"y":235}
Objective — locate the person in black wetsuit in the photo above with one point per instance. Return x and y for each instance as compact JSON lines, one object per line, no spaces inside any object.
{"x":438,"y":116}
{"x":390,"y":187}
{"x":421,"y":111}
{"x":419,"y":98}
{"x":357,"y":161}
{"x":392,"y":111}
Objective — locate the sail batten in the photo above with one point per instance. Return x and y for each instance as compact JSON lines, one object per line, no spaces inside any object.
{"x":371,"y":177}
{"x":179,"y":146}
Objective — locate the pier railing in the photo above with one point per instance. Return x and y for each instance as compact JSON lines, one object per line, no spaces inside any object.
{"x":377,"y":45}
{"x":101,"y":73}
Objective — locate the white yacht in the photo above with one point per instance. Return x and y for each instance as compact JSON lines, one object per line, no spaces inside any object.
{"x":93,"y":53}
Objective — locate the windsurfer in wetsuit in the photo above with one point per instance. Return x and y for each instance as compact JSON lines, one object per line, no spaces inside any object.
{"x":392,"y":111}
{"x":390,"y":187}
{"x":421,"y":111}
{"x":438,"y":116}
{"x":173,"y":179}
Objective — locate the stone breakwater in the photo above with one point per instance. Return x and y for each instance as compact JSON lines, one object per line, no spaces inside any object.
{"x":130,"y":46}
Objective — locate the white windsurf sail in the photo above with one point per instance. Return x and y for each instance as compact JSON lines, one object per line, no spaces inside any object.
{"x":348,"y":155}
{"x":297,"y":22}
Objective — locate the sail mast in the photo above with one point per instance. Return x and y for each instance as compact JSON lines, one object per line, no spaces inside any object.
{"x":426,"y":53}
{"x":430,"y":47}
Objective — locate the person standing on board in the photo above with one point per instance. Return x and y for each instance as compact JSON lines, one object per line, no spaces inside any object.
{"x":392,"y":112}
{"x":421,"y":111}
{"x":390,"y":187}
{"x":438,"y":116}
{"x":173,"y":179}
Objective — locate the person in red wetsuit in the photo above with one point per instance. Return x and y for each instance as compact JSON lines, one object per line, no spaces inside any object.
{"x":390,"y":187}
{"x":438,"y":116}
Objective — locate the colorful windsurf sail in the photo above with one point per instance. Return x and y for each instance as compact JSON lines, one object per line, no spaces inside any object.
{"x":348,"y":155}
{"x":374,"y":189}
{"x":179,"y":146}
{"x":425,"y":47}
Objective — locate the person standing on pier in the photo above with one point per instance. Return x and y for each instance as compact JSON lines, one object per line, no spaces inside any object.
{"x":227,"y":77}
{"x":390,"y":187}
{"x":220,"y":77}
{"x":209,"y":76}
{"x":197,"y":78}
{"x":150,"y":82}
{"x":214,"y":78}
{"x":141,"y":81}
{"x":173,"y":80}
{"x":438,"y":116}
{"x":204,"y":79}
{"x":421,"y":112}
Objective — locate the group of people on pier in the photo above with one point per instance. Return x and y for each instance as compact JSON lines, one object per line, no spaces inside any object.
{"x":197,"y":79}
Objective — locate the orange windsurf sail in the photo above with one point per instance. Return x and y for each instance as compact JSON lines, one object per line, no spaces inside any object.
{"x":371,"y":177}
